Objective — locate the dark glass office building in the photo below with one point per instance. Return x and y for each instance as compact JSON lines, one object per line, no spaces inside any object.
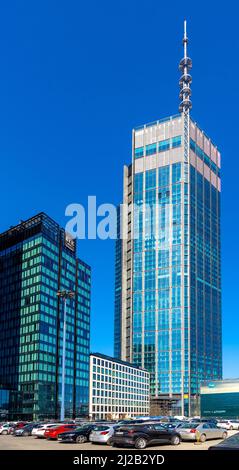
{"x":37,"y":259}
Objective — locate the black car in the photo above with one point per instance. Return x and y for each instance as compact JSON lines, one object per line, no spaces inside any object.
{"x":142,"y":435}
{"x":78,"y":435}
{"x":231,"y":443}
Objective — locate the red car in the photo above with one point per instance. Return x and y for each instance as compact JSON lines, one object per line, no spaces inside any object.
{"x":52,"y":433}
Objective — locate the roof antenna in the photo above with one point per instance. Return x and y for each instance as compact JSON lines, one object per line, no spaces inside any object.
{"x":185,"y":81}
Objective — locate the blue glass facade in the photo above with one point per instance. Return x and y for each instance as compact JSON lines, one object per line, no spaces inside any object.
{"x":157,"y":283}
{"x":170,"y":277}
{"x":205,"y":281}
{"x":118,"y":281}
{"x":37,"y":259}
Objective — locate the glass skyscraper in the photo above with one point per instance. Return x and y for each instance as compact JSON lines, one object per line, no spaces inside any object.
{"x":168,"y":266}
{"x":37,"y":259}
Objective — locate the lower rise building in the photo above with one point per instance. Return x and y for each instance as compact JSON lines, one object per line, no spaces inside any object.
{"x":220,"y":399}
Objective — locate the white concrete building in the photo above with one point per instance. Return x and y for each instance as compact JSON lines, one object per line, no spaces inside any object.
{"x":117,"y":389}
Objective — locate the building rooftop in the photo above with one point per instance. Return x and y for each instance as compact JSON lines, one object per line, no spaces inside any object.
{"x":159,"y":121}
{"x":170,"y":118}
{"x":113,"y":359}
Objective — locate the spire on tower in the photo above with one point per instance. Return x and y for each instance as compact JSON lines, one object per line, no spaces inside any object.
{"x":185,"y":81}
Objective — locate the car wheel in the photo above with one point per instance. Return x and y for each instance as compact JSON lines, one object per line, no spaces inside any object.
{"x":4,"y":432}
{"x":203,"y":438}
{"x":231,"y":428}
{"x":224,"y":436}
{"x":175,"y":441}
{"x":140,"y":443}
{"x":81,"y":439}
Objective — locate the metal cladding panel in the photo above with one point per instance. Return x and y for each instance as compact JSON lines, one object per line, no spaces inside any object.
{"x":139,"y":165}
{"x":206,"y":146}
{"x":192,"y":130}
{"x":222,"y":386}
{"x":199,"y":138}
{"x":213,"y":154}
{"x":214,"y":179}
{"x":139,"y":138}
{"x":207,"y":172}
{"x":150,"y":135}
{"x":158,"y":160}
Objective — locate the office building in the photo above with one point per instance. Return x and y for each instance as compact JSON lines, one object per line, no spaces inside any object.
{"x":117,"y":389}
{"x":37,"y":260}
{"x":168,"y":264}
{"x":220,"y":399}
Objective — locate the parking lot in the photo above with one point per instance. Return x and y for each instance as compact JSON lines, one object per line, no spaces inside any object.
{"x":10,"y":442}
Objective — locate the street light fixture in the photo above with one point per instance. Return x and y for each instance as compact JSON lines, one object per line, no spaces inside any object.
{"x":64,"y":294}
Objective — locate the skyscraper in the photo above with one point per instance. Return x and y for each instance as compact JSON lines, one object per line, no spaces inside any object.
{"x":168,"y":266}
{"x":38,"y":259}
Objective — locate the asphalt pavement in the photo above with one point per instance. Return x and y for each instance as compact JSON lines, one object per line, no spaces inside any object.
{"x":32,"y":443}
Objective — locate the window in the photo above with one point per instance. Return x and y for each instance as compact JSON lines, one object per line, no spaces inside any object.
{"x":159,"y":427}
{"x":150,"y":179}
{"x":164,"y":145}
{"x":176,"y":173}
{"x":151,"y":149}
{"x":139,"y":152}
{"x":176,"y":141}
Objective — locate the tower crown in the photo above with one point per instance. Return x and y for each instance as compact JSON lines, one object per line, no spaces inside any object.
{"x":185,"y":81}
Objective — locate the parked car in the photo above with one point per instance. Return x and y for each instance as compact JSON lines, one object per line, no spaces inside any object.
{"x":172,"y":425}
{"x":78,"y":435}
{"x":231,"y":443}
{"x":229,"y":424}
{"x":17,"y":425}
{"x":102,"y":433}
{"x":25,"y":431}
{"x":52,"y":433}
{"x":5,"y":428}
{"x":132,"y":421}
{"x":201,"y":431}
{"x":203,"y":420}
{"x":170,"y":421}
{"x":40,"y":431}
{"x":143,"y":435}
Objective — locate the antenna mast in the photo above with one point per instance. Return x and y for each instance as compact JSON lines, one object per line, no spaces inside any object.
{"x":185,"y":81}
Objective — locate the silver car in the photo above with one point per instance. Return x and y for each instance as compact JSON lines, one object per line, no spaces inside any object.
{"x":102,"y":433}
{"x":200,"y":432}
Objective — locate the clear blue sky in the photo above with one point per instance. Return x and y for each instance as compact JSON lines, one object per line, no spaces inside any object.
{"x":75,"y":78}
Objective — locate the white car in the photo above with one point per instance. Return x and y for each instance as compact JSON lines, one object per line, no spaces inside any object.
{"x":4,"y":428}
{"x":40,"y":432}
{"x":180,"y":417}
{"x":229,"y":424}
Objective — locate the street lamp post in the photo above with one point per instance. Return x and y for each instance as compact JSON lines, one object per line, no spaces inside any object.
{"x":64,"y":294}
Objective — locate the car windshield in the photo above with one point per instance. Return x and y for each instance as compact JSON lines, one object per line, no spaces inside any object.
{"x":101,"y":428}
{"x":82,"y":428}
